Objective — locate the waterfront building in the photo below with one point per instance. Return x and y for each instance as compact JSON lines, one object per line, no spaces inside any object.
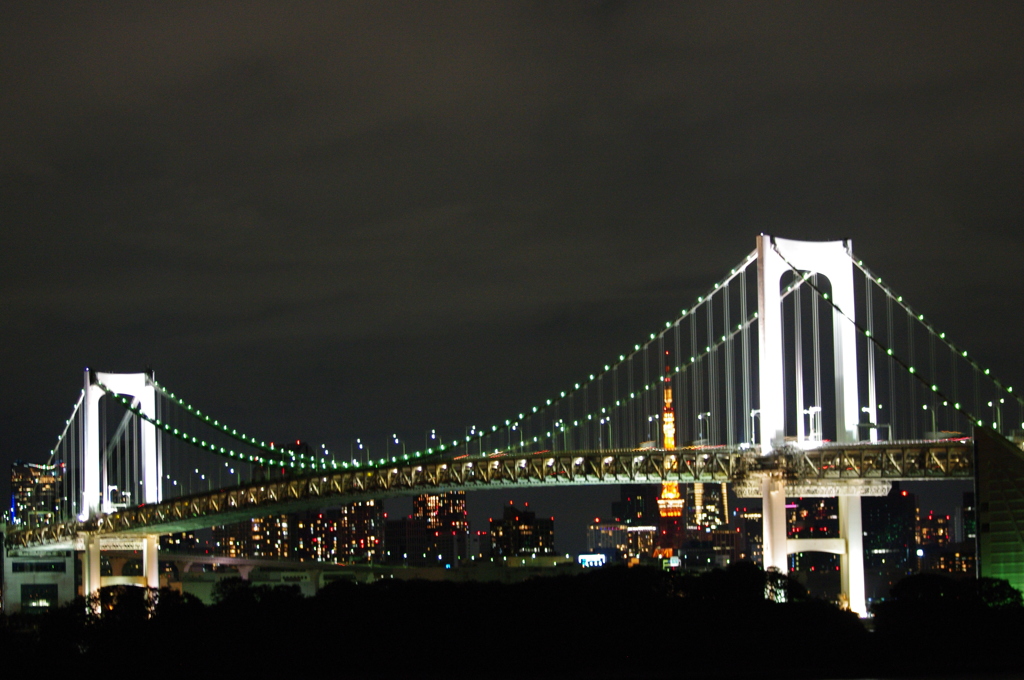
{"x":520,"y":533}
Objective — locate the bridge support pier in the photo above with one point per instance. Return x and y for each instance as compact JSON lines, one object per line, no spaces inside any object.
{"x":773,"y":518}
{"x":91,"y":566}
{"x":851,"y":563}
{"x":151,"y":562}
{"x":850,"y":548}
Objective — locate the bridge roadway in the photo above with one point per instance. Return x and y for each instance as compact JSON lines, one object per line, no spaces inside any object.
{"x":861,"y":468}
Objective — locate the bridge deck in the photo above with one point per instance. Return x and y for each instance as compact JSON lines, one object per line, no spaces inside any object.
{"x":861,"y":468}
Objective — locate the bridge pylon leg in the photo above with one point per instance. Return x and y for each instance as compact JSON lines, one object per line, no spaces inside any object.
{"x":151,"y":562}
{"x":91,"y":566}
{"x":851,"y":563}
{"x":773,"y":511}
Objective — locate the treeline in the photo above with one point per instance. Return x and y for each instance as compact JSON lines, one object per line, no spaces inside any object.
{"x":606,"y":623}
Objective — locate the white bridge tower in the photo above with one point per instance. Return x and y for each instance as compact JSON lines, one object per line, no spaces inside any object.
{"x":832,"y":259}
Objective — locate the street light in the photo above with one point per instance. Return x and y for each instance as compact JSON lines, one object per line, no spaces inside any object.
{"x":814,"y":425}
{"x":997,"y":424}
{"x":753,"y":430}
{"x":874,"y":427}
{"x":934,"y":434}
{"x":352,"y":447}
{"x":608,"y":422}
{"x":700,"y":424}
{"x":395,"y":437}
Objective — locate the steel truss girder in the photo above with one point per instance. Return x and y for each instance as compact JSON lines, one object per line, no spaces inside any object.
{"x":825,"y":469}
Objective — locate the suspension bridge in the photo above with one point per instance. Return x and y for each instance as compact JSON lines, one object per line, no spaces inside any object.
{"x":800,"y":372}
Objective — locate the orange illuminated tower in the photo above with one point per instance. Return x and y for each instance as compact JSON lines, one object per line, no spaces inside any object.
{"x":670,"y":504}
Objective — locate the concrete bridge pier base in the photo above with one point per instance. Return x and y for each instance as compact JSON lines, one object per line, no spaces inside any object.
{"x":773,"y":511}
{"x":91,"y":566}
{"x":851,"y":562}
{"x":151,"y":562}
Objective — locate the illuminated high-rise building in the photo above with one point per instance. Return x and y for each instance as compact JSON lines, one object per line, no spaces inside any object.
{"x":520,"y":533}
{"x":314,"y":536}
{"x":707,"y":507}
{"x":447,"y":526}
{"x":890,"y":542}
{"x":361,"y":531}
{"x":749,"y":522}
{"x":258,"y":537}
{"x":626,"y":541}
{"x":445,"y":510}
{"x":637,"y":504}
{"x":182,"y":542}
{"x":405,"y":541}
{"x":932,"y":529}
{"x":965,"y":522}
{"x":33,"y":493}
{"x":269,"y":536}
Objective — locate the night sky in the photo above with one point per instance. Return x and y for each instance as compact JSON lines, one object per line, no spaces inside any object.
{"x":328,"y":221}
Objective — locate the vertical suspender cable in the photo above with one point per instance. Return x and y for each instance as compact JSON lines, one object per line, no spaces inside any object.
{"x":696,"y":380}
{"x":571,"y":438}
{"x":682,"y":423}
{"x":954,"y":370}
{"x":870,"y":353}
{"x":137,"y":491}
{"x":158,"y":412}
{"x":613,"y":411}
{"x":104,"y":449}
{"x":911,"y":382}
{"x":79,"y":453}
{"x":631,"y":401}
{"x":712,"y":372}
{"x":586,"y":414}
{"x":659,"y":393}
{"x":977,"y":391}
{"x":893,"y":420}
{"x":798,"y":350}
{"x":816,"y":318}
{"x":932,"y":371}
{"x":647,"y":396}
{"x":785,"y":384}
{"x":746,"y":375}
{"x":730,"y":406}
